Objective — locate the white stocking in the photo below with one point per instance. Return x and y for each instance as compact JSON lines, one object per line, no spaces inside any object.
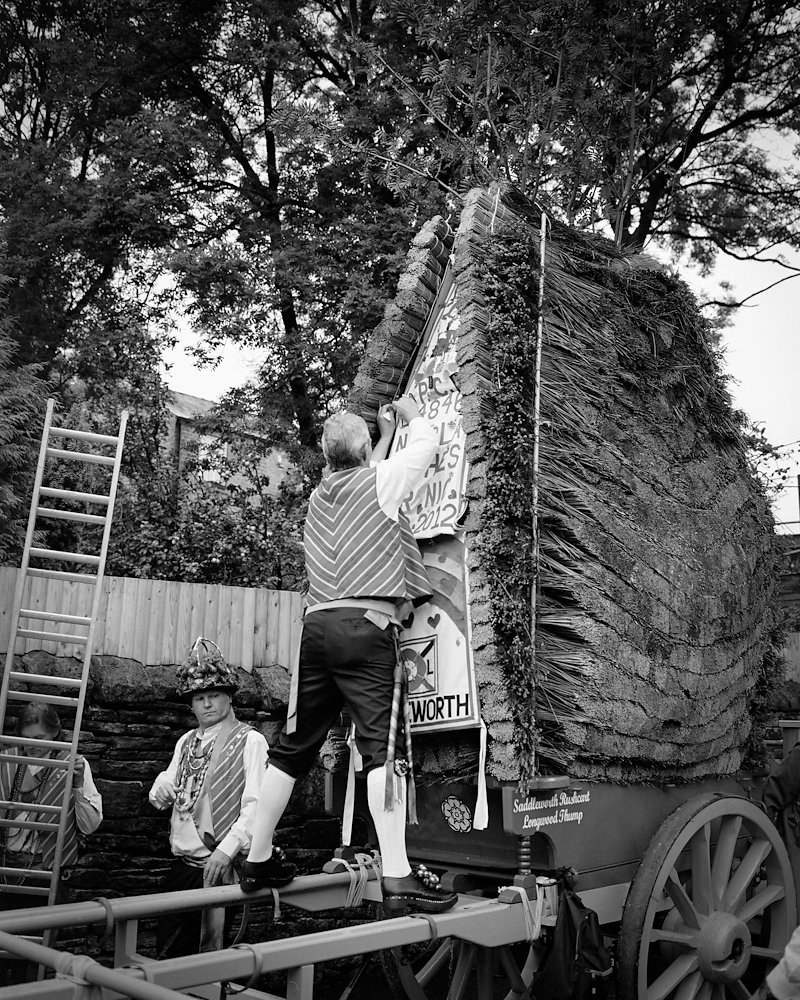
{"x":273,"y":797}
{"x":390,"y":825}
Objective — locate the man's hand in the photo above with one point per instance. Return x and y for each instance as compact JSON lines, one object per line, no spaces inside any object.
{"x":386,"y":420}
{"x":406,"y":408}
{"x":78,"y":773}
{"x":218,"y":869}
{"x":164,"y":795}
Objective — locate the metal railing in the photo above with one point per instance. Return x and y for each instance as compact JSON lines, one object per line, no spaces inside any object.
{"x":484,"y":922}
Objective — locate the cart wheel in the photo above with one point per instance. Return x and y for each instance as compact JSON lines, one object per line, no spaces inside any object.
{"x":711,"y":908}
{"x":449,"y":969}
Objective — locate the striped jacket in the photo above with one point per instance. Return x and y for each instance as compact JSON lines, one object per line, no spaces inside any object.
{"x":51,"y":794}
{"x":354,"y":549}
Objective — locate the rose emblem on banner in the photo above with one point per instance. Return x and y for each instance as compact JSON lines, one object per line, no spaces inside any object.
{"x":457,"y":813}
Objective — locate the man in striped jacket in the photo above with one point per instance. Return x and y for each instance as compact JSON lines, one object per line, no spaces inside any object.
{"x":363,"y":564}
{"x":212,"y":785}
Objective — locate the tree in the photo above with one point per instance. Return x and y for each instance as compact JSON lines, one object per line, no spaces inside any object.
{"x":307,"y":246}
{"x":262,"y":166}
{"x":650,"y":116}
{"x":90,"y":157}
{"x":217,"y":518}
{"x":21,"y":419}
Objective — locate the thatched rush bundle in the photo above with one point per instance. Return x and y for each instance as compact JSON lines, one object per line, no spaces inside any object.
{"x":655,"y":631}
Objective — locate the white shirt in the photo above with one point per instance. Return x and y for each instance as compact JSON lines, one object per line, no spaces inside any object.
{"x":400,"y":473}
{"x":88,"y":813}
{"x":183,"y":836}
{"x":784,"y":980}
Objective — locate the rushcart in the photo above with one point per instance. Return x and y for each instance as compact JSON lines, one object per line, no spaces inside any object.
{"x":588,"y":686}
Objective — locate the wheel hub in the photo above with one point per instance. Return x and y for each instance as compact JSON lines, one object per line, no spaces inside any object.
{"x":723,"y":948}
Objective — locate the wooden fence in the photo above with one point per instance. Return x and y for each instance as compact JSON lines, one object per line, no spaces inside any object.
{"x":156,"y":621}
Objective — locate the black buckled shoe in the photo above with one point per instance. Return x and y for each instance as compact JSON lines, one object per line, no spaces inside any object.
{"x":418,"y":891}
{"x":270,"y":874}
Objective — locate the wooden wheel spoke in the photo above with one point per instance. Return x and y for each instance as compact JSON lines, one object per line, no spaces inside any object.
{"x":775,"y":954}
{"x":738,"y":990}
{"x":511,"y":969}
{"x":679,"y":897}
{"x":672,"y":977}
{"x":683,"y":938}
{"x":411,"y":986}
{"x":701,"y":870}
{"x":723,"y":856}
{"x":757,"y":904}
{"x":485,"y":968}
{"x":688,"y":989}
{"x":438,"y":959}
{"x":745,"y":873}
{"x":460,"y":980}
{"x":704,"y":993}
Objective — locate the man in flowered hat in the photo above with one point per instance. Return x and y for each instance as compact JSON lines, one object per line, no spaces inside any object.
{"x":212,"y":785}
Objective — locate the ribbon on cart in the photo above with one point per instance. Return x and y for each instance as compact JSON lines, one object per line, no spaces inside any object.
{"x":355,"y":763}
{"x":481,"y":820}
{"x":531,"y":912}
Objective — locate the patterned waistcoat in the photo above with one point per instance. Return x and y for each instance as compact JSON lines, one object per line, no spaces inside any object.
{"x":51,"y":794}
{"x":353,"y":549}
{"x":225,"y":781}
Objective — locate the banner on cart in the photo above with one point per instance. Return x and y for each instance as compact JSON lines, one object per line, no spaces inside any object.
{"x":436,"y":636}
{"x":437,"y":504}
{"x":436,"y":648}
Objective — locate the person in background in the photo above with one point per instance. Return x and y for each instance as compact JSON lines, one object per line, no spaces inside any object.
{"x":780,"y":795}
{"x":783,"y":983}
{"x":363,"y":564}
{"x":211,"y":785}
{"x":36,"y":786}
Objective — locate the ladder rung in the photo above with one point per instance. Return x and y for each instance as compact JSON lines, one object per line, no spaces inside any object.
{"x":70,"y":515}
{"x":61,"y":574}
{"x":32,"y":633}
{"x":50,"y":699}
{"x":50,"y":491}
{"x":81,"y":456}
{"x":18,"y":675}
{"x":21,"y":758}
{"x":29,"y":824}
{"x":37,"y":873}
{"x":53,"y":616}
{"x":26,"y":806}
{"x":21,"y":741}
{"x":84,"y":436}
{"x":77,"y":557}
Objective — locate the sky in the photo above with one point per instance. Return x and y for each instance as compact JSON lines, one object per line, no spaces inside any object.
{"x":761,"y":355}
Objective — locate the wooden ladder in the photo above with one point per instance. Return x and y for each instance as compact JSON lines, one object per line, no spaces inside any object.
{"x":80,"y":634}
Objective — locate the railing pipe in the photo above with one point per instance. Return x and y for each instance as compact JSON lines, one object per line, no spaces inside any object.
{"x":138,"y":907}
{"x":84,"y":968}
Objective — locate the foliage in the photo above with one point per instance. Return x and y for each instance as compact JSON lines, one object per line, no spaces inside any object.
{"x":769,"y":462}
{"x":258,"y":169}
{"x":89,"y":156}
{"x":21,"y":395}
{"x":206,"y":533}
{"x":649,"y":116}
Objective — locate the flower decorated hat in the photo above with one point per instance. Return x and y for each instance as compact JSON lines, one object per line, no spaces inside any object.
{"x":205,"y":668}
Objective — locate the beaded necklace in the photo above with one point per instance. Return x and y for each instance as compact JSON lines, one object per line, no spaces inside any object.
{"x":192,"y":774}
{"x":17,"y":795}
